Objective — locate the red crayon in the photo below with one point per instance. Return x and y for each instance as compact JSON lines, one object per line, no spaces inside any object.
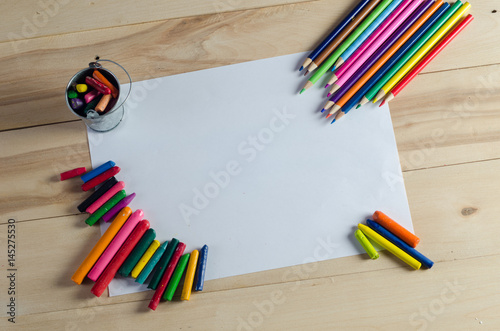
{"x":166,"y":276}
{"x":97,"y":85}
{"x":120,"y":256}
{"x":100,"y":178}
{"x":72,"y":173}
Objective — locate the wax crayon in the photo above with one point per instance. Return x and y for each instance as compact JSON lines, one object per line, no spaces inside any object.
{"x":97,"y":194}
{"x":176,"y":277}
{"x":396,"y":229}
{"x":72,"y":173}
{"x":105,"y":197}
{"x":113,"y":211}
{"x":100,"y":178}
{"x":92,"y":219}
{"x":97,"y":75}
{"x":368,"y":247}
{"x":151,"y":263}
{"x":145,"y":258}
{"x":162,"y":264}
{"x":97,"y":171}
{"x":97,"y":85}
{"x":81,"y":88}
{"x":202,"y":266}
{"x":191,"y":270}
{"x":137,"y":253}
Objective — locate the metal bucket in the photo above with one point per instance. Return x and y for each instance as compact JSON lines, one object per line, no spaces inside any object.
{"x":115,"y":110}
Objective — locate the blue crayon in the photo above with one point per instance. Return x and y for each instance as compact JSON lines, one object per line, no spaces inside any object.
{"x":395,"y":58}
{"x":202,"y":266}
{"x":97,"y":171}
{"x":375,"y":24}
{"x":337,"y":30}
{"x":151,"y":263}
{"x":401,"y":244}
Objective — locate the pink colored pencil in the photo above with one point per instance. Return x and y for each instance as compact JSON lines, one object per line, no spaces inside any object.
{"x":115,"y":245}
{"x":105,"y":197}
{"x":411,"y":6}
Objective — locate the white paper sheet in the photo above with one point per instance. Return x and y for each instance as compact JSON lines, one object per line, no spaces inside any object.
{"x":294,"y":187}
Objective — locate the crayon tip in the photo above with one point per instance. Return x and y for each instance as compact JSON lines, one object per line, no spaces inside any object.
{"x":327,"y":85}
{"x":322,"y":110}
{"x":328,"y":95}
{"x":305,"y":73}
{"x":382,"y":103}
{"x":358,"y":106}
{"x":328,"y":115}
{"x":333,"y":121}
{"x":302,"y":91}
{"x":301,"y":67}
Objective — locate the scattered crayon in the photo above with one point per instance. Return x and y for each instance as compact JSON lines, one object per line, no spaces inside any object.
{"x":115,"y":245}
{"x":101,"y":245}
{"x":169,"y":270}
{"x":93,"y":218}
{"x":163,"y":263}
{"x":97,"y":194}
{"x":145,"y":258}
{"x":137,"y":253}
{"x":105,"y":197}
{"x":151,"y":263}
{"x":202,"y":266}
{"x":100,"y":178}
{"x":401,"y":244}
{"x":81,"y":88}
{"x":110,"y":272}
{"x":189,"y":279}
{"x":97,"y":75}
{"x":97,"y":171}
{"x":396,"y":229}
{"x":176,"y":277}
{"x":97,"y":85}
{"x":72,"y":173}
{"x":368,"y":247}
{"x":113,"y":211}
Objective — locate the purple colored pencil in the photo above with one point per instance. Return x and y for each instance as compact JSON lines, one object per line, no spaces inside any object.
{"x":381,"y":51}
{"x":119,"y":206}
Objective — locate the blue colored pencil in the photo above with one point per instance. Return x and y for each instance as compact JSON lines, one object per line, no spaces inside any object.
{"x":202,"y":266}
{"x":97,"y":171}
{"x":359,"y":96}
{"x":401,"y":244}
{"x":361,"y":39}
{"x":334,"y":33}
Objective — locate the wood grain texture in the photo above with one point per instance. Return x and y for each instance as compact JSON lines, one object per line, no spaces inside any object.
{"x":175,"y":46}
{"x":35,"y":18}
{"x":447,"y":226}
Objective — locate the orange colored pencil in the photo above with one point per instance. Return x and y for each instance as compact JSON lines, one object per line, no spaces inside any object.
{"x":349,"y":94}
{"x":396,"y":228}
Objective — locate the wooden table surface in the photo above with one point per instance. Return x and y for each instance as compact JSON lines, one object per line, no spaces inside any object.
{"x":447,"y":132}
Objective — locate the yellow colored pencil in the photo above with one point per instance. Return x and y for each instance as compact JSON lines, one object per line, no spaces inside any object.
{"x":145,"y":258}
{"x":188,"y":281}
{"x":389,"y":246}
{"x":423,"y":50}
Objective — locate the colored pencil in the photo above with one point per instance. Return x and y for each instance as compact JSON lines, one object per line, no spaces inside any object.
{"x":428,"y":58}
{"x":334,"y":33}
{"x":405,"y":257}
{"x":401,"y":244}
{"x":392,"y":45}
{"x":367,"y":34}
{"x":395,"y":12}
{"x":408,"y":54}
{"x":396,"y":52}
{"x":352,"y":37}
{"x":356,"y":65}
{"x":423,"y":51}
{"x":357,"y":20}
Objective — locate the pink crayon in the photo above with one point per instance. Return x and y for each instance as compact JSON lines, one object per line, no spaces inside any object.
{"x":105,"y":197}
{"x":115,"y":245}
{"x":91,"y":95}
{"x":116,"y":209}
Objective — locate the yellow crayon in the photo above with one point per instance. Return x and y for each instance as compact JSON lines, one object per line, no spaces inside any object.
{"x":188,"y":281}
{"x":372,"y":253}
{"x":389,"y":246}
{"x":145,"y":258}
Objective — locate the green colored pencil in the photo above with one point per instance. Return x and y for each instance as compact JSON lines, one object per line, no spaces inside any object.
{"x":374,"y":90}
{"x":345,"y":45}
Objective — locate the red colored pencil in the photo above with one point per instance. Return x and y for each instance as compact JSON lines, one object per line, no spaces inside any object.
{"x":427,"y":59}
{"x":113,"y":266}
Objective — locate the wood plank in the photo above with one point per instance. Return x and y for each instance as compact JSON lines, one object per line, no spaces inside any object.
{"x":34,"y":18}
{"x":450,"y":297}
{"x":170,"y":47}
{"x":457,"y":226}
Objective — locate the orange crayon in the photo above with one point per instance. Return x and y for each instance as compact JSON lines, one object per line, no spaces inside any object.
{"x":396,"y":229}
{"x":97,"y":75}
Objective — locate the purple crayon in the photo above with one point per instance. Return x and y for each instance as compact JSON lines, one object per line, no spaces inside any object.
{"x":380,"y":51}
{"x":119,"y":206}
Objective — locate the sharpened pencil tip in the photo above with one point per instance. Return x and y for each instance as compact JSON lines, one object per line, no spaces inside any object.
{"x":333,"y":68}
{"x":374,"y":100}
{"x":382,"y":103}
{"x":327,"y":85}
{"x":301,"y":67}
{"x":333,"y":121}
{"x":328,"y":95}
{"x":358,"y":106}
{"x":328,"y":115}
{"x":302,"y":91}
{"x":322,"y":110}
{"x":305,"y":73}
